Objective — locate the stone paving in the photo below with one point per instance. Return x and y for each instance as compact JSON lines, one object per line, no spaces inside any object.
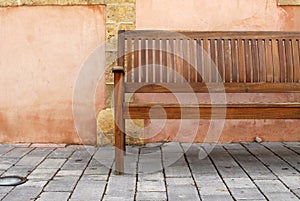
{"x":171,"y":171}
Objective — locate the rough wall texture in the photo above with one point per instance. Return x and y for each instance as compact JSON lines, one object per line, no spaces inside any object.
{"x":42,"y":51}
{"x":120,"y":14}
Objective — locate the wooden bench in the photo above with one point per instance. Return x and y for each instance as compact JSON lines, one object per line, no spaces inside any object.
{"x":237,"y":62}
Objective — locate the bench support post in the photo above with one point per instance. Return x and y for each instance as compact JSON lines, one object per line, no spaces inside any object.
{"x":119,"y":121}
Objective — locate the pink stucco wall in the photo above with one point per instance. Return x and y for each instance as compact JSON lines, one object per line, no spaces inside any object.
{"x":41,"y":53}
{"x":216,"y":15}
{"x":225,"y":15}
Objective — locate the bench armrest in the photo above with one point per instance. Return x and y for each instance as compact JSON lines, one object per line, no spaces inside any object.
{"x":118,"y":69}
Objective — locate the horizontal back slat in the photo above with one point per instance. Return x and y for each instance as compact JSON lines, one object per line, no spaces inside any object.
{"x":212,"y":87}
{"x":211,"y":57}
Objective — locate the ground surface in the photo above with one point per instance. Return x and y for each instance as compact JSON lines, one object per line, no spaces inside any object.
{"x":172,"y":171}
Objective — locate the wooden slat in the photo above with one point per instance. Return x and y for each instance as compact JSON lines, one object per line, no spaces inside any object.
{"x":289,"y":61}
{"x":248,"y":60}
{"x":143,"y":60}
{"x":129,"y":60}
{"x":212,"y":88}
{"x":213,"y":61}
{"x":255,"y":60}
{"x":269,"y":61}
{"x":199,"y":54}
{"x":296,"y":59}
{"x":234,"y":61}
{"x":171,"y":59}
{"x":262,"y":60}
{"x":150,"y":61}
{"x":206,"y":61}
{"x":179,"y":60}
{"x":227,"y":58}
{"x":221,"y":66}
{"x":157,"y":60}
{"x":276,"y":65}
{"x":185,"y":58}
{"x":136,"y":73}
{"x":164,"y":60}
{"x":241,"y":60}
{"x":282,"y":60}
{"x":192,"y":62}
{"x":208,"y":111}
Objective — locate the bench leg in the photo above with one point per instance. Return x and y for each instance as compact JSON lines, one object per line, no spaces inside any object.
{"x":119,"y":123}
{"x":119,"y":148}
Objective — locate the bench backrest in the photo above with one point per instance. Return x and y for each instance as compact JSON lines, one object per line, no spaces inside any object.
{"x":241,"y":61}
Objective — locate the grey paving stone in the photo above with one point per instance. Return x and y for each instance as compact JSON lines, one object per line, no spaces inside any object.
{"x":5,"y":149}
{"x":62,"y":152}
{"x":62,"y":184}
{"x":216,"y":198}
{"x":130,"y":165}
{"x":121,"y":187}
{"x":51,"y":163}
{"x":42,"y":174}
{"x":5,"y":189}
{"x":178,"y":171}
{"x":246,"y":193}
{"x":273,"y":162}
{"x":149,"y":166}
{"x":111,"y":198}
{"x":152,"y":196}
{"x":157,"y":176}
{"x":232,"y":146}
{"x":22,"y":171}
{"x":154,"y":144}
{"x":97,"y":170}
{"x":40,"y":152}
{"x":206,"y":183}
{"x":239,"y":183}
{"x":50,"y":196}
{"x":83,"y":154}
{"x":29,"y":161}
{"x":151,"y":186}
{"x":257,"y":175}
{"x":76,"y":164}
{"x":104,"y":156}
{"x":23,"y":193}
{"x":271,"y":186}
{"x":293,"y":182}
{"x":281,"y":196}
{"x":150,"y":163}
{"x":180,"y":181}
{"x":172,"y":147}
{"x":146,"y":151}
{"x":46,"y":145}
{"x":182,"y":192}
{"x":209,"y":178}
{"x":214,"y":190}
{"x":296,"y":192}
{"x":21,"y":145}
{"x":17,"y":152}
{"x":2,"y":196}
{"x":36,"y":183}
{"x":67,"y":173}
{"x":86,"y":188}
{"x":6,"y":162}
{"x":226,"y":165}
{"x":254,"y":168}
